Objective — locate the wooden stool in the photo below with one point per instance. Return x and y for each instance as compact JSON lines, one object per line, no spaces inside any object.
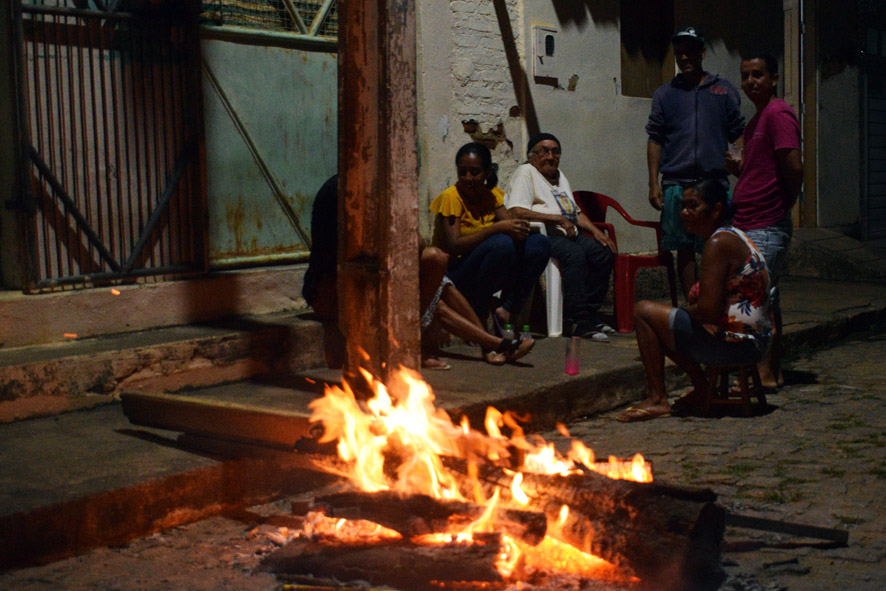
{"x":721,"y":395}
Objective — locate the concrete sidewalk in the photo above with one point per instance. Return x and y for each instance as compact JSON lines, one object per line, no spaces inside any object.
{"x":48,"y":462}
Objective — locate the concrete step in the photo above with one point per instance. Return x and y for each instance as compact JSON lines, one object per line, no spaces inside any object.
{"x":81,"y":373}
{"x":827,"y":254}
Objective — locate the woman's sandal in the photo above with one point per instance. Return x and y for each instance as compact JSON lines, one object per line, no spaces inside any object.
{"x":494,"y":358}
{"x":634,"y":414}
{"x":514,"y":349}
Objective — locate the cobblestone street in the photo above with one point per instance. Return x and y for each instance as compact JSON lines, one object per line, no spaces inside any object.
{"x":816,"y":459}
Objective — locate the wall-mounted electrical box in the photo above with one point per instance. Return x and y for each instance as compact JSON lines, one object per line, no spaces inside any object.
{"x":545,"y":52}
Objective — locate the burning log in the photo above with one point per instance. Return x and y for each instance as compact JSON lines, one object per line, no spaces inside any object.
{"x":665,"y":534}
{"x":400,"y":564}
{"x":415,"y":515}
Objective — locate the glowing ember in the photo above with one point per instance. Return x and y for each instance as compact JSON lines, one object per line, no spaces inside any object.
{"x":346,"y":530}
{"x":396,"y":441}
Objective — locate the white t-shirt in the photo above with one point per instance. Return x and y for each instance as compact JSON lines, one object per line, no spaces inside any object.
{"x":529,"y":189}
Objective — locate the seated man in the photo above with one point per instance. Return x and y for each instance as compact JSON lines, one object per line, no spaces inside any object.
{"x":540,"y":192}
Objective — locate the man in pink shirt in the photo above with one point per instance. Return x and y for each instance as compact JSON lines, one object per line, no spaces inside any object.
{"x":770,"y":174}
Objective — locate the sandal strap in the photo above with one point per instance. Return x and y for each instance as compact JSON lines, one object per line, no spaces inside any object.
{"x":508,"y":346}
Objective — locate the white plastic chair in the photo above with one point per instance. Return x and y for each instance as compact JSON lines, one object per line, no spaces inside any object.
{"x":553,"y":291}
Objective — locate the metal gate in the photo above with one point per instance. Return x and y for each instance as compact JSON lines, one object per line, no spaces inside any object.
{"x":110,"y":106}
{"x":270,"y":94}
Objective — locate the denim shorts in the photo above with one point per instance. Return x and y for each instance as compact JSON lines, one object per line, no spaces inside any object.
{"x":772,"y":242}
{"x":692,"y":340}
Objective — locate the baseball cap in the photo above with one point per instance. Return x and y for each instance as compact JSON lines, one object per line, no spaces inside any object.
{"x":688,"y":34}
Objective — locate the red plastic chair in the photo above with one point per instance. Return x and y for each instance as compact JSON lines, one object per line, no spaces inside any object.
{"x":595,"y":206}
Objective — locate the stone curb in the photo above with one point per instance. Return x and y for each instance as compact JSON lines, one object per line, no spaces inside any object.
{"x":610,"y":389}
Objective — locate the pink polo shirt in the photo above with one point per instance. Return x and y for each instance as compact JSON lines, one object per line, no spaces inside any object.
{"x":758,"y":198}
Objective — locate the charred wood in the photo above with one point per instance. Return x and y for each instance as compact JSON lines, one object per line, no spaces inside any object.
{"x":661,"y":533}
{"x":400,"y":564}
{"x":414,"y":515}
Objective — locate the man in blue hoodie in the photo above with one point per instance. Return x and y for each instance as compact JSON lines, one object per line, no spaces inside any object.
{"x":694,"y":117}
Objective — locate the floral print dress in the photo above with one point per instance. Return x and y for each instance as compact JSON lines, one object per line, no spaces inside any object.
{"x":746,"y":316}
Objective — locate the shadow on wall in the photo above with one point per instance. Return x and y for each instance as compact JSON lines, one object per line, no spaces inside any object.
{"x":515,"y":66}
{"x":741,"y":26}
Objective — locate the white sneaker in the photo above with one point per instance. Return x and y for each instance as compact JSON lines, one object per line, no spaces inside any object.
{"x":605,"y":328}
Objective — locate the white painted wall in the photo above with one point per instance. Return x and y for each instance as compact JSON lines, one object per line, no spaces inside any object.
{"x":601,"y":131}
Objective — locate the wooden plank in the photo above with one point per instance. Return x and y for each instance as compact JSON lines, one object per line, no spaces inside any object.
{"x":839,"y":536}
{"x":220,"y":420}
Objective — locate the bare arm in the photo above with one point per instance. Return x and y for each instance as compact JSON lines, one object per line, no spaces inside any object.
{"x":734,"y":159}
{"x":588,"y":226}
{"x":653,"y":163}
{"x":790,"y":173}
{"x":456,"y":243}
{"x":723,"y":254}
{"x":546,"y":218}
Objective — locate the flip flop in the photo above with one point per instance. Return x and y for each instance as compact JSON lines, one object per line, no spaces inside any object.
{"x":635,"y":414}
{"x":435,"y":364}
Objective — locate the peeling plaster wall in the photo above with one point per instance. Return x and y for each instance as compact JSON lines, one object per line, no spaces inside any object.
{"x":465,"y":90}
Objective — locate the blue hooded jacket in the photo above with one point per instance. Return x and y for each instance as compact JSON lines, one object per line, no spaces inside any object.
{"x":694,"y":125}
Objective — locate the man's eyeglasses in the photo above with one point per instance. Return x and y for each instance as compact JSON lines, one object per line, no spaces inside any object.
{"x":545,"y":151}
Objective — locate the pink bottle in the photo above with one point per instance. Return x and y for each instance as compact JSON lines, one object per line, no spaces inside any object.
{"x":573,"y":346}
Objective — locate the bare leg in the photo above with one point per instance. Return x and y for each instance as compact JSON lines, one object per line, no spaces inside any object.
{"x":686,"y":269}
{"x":461,"y":324}
{"x":453,"y":312}
{"x":655,"y":342}
{"x":770,"y":365}
{"x":432,"y":268}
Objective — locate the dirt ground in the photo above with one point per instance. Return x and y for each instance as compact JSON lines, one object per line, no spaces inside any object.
{"x":816,"y":458}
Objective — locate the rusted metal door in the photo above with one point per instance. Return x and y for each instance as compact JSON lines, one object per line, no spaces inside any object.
{"x":110,"y":104}
{"x":270,"y":91}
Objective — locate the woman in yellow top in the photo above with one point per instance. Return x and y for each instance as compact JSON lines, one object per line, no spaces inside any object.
{"x":489,"y":249}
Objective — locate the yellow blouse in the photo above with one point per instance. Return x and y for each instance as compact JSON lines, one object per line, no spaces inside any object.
{"x":473,"y":217}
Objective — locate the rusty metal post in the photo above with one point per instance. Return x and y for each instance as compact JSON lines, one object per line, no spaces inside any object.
{"x":378,"y":192}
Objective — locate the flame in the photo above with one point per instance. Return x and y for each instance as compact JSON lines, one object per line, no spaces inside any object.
{"x":396,"y":441}
{"x":517,"y":492}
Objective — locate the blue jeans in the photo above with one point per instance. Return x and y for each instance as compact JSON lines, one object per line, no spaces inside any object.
{"x":772,"y":242}
{"x":501,"y":263}
{"x":585,"y":267}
